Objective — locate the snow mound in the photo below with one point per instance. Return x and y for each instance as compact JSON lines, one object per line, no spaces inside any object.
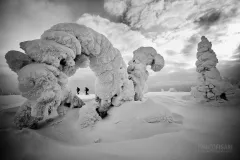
{"x":125,"y":134}
{"x":146,"y":111}
{"x":88,"y":116}
{"x":137,"y":112}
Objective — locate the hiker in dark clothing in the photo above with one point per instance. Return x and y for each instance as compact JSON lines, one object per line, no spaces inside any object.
{"x":78,"y":90}
{"x":86,"y":90}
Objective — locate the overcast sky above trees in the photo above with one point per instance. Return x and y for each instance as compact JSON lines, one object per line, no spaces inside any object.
{"x":172,"y":27}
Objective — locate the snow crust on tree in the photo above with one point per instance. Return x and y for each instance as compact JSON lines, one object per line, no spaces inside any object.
{"x":88,"y":117}
{"x":210,"y":85}
{"x":43,"y":73}
{"x":137,"y":69}
{"x":17,"y":60}
{"x":45,"y":88}
{"x":112,"y":85}
{"x":48,"y":62}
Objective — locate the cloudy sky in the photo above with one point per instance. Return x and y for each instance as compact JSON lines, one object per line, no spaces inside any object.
{"x":172,"y":27}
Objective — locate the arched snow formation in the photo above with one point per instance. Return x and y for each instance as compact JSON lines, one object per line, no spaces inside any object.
{"x":48,"y":62}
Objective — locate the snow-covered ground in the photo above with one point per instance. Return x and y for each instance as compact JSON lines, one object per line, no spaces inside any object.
{"x":198,"y":131}
{"x":85,"y":97}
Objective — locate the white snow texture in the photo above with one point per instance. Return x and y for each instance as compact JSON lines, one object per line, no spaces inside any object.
{"x":49,"y":61}
{"x":210,"y":86}
{"x":137,"y":68}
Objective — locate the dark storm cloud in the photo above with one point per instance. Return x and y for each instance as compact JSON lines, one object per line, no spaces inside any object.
{"x":133,"y":21}
{"x":209,"y":18}
{"x":190,"y":46}
{"x":124,"y":17}
{"x":217,"y":17}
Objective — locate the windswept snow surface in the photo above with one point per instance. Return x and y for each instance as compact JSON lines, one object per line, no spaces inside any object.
{"x":127,"y":134}
{"x":85,"y":97}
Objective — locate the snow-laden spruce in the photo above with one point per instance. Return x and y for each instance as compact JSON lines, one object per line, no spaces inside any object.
{"x":137,"y":68}
{"x":210,"y":86}
{"x":44,"y":86}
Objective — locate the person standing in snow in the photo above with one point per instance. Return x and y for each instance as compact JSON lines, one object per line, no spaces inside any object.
{"x":78,"y":90}
{"x":86,"y":90}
